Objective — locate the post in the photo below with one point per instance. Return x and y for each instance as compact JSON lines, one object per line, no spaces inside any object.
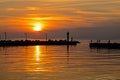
{"x":91,"y":41}
{"x":71,"y":39}
{"x":108,"y":41}
{"x":67,"y":36}
{"x":46,"y":37}
{"x":0,"y":37}
{"x":97,"y":41}
{"x":26,"y":36}
{"x":5,"y":36}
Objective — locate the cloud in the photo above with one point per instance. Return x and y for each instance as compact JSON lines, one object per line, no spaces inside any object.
{"x":82,"y":16}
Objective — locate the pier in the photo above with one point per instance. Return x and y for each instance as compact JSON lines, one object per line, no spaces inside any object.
{"x":107,"y":45}
{"x":36,"y":42}
{"x":27,"y":42}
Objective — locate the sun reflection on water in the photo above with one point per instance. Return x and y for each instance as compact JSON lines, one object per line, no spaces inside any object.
{"x":38,"y":53}
{"x":38,"y":60}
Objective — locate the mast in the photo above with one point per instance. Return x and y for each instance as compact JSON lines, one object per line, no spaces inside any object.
{"x":46,"y":37}
{"x":0,"y":37}
{"x":5,"y":36}
{"x":26,"y":36}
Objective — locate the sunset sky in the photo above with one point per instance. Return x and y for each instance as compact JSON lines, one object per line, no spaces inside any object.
{"x":85,"y":19}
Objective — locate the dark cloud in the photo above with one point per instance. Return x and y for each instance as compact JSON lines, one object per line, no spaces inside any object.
{"x":104,"y":30}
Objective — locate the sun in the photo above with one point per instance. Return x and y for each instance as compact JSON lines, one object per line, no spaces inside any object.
{"x":38,"y":26}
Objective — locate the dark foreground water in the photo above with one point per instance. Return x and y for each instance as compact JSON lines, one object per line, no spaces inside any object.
{"x":59,"y":63}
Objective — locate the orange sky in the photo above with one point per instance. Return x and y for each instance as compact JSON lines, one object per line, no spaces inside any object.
{"x":57,"y":14}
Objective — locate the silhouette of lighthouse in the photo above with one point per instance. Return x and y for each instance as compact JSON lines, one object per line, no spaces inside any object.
{"x":68,"y":36}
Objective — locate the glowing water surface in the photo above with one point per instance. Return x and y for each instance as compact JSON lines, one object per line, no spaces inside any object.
{"x":59,"y":63}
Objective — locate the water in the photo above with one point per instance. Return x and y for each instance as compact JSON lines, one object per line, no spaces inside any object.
{"x":59,"y":63}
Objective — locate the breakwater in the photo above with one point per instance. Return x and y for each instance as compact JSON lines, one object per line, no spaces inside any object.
{"x":36,"y":42}
{"x":105,"y":45}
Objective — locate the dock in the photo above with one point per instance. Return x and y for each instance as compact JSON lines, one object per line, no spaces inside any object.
{"x":36,"y":42}
{"x":27,"y":42}
{"x":104,"y":45}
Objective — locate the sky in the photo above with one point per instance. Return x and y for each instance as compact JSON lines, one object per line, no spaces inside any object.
{"x":84,"y":19}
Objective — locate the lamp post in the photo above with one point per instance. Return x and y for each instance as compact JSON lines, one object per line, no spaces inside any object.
{"x":5,"y":36}
{"x":46,"y":37}
{"x":67,"y":36}
{"x":26,"y":36}
{"x":0,"y":37}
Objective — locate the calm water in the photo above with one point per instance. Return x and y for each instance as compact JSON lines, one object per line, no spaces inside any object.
{"x":59,"y":63}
